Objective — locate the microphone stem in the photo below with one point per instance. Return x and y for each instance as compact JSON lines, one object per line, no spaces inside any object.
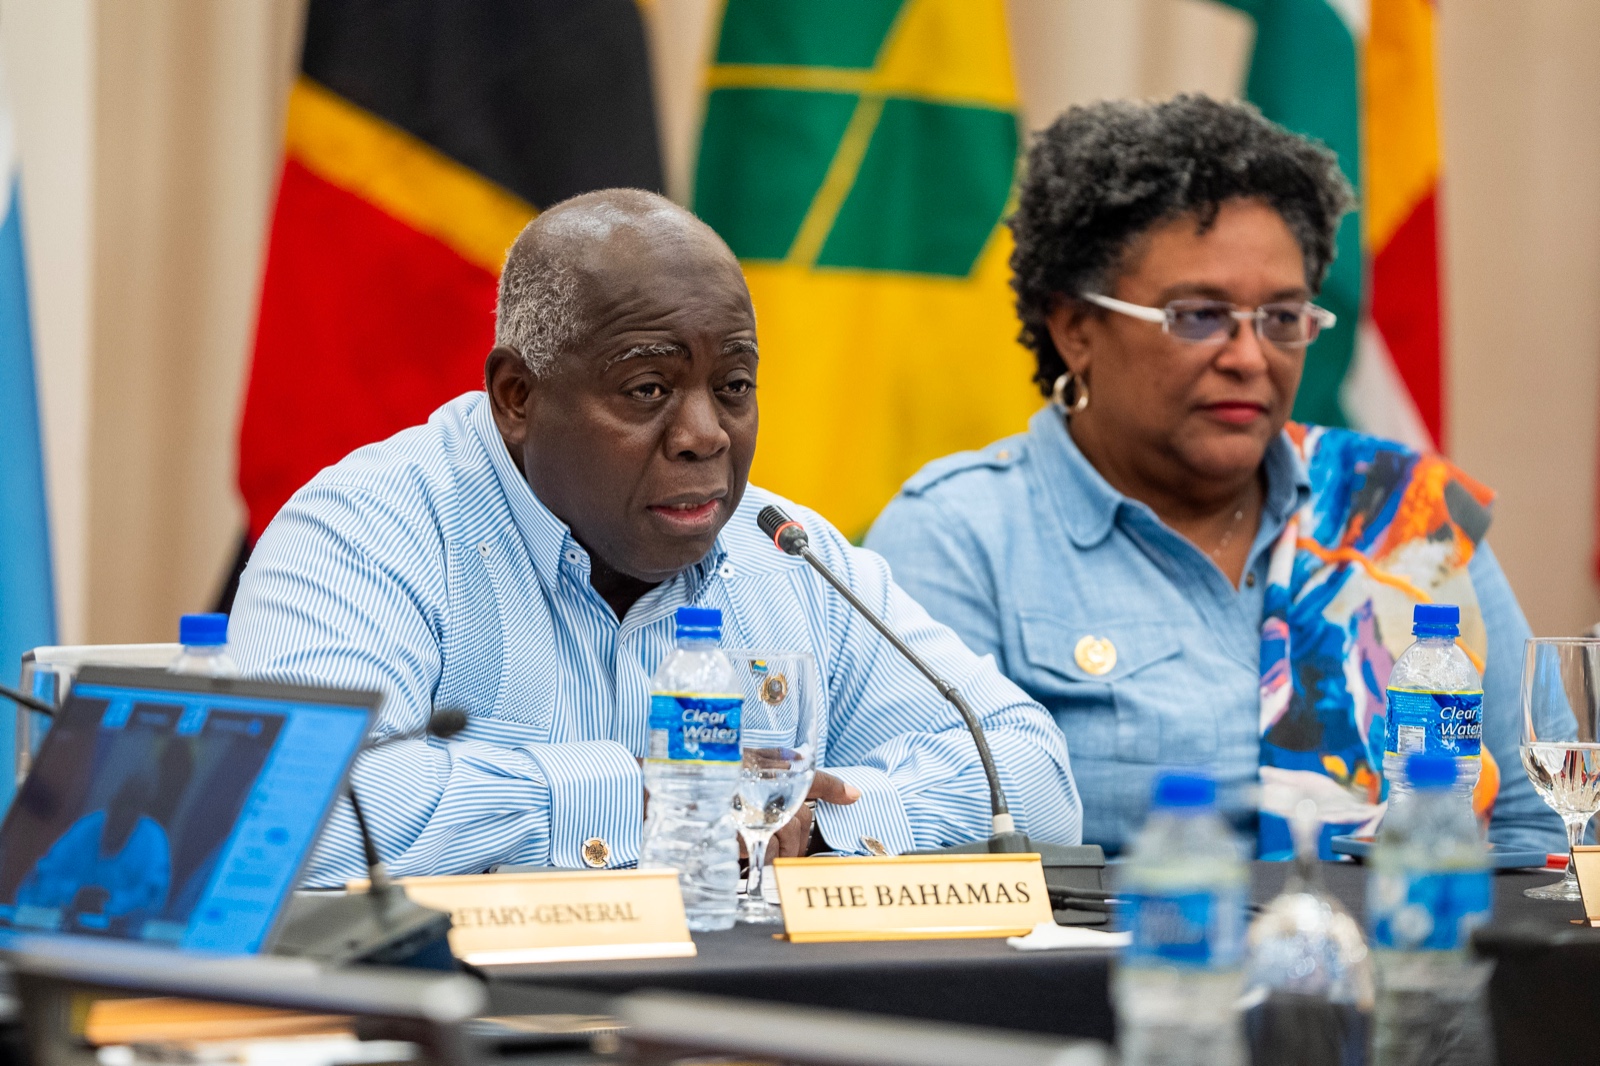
{"x":27,"y":701}
{"x":377,"y":877}
{"x":997,"y":796}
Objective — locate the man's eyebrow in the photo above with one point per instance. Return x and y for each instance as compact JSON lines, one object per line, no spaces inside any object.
{"x":737,"y":346}
{"x":643,"y":351}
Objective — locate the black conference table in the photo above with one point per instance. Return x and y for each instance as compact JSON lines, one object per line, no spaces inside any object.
{"x":974,"y":982}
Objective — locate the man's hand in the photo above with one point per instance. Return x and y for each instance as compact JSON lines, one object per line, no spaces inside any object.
{"x":791,"y":840}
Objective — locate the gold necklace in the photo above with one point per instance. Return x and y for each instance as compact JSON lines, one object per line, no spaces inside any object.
{"x":1227,"y":535}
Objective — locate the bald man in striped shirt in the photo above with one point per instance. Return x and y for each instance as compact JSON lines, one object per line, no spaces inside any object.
{"x":520,"y":557}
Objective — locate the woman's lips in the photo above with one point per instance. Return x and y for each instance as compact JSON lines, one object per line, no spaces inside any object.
{"x":1235,"y":414}
{"x":689,"y":517}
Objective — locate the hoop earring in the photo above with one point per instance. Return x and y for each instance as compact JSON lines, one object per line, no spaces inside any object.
{"x":1080,"y":391}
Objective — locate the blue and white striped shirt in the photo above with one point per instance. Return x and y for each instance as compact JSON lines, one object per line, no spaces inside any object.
{"x":425,"y":567}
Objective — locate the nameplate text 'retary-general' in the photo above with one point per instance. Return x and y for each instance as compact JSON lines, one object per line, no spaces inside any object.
{"x":560,"y":916}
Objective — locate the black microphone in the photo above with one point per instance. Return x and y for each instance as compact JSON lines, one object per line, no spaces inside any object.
{"x":29,"y":702}
{"x":790,"y":536}
{"x":444,"y":724}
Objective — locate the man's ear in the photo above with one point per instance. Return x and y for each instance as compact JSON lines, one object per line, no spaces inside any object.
{"x":1068,"y":321}
{"x":509,"y":383}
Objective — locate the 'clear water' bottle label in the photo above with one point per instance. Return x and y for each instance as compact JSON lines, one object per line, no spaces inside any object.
{"x":1202,"y":930}
{"x":1441,"y":723}
{"x":1427,"y":911}
{"x":687,"y":728}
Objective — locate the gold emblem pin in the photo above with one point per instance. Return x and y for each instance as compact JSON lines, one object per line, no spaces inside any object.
{"x":774,"y":689}
{"x":596,"y":852}
{"x":1095,"y":655}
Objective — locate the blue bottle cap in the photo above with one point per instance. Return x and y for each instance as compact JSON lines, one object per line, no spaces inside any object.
{"x":203,"y":630}
{"x":698,"y":623}
{"x":1430,"y":772}
{"x":1436,"y":620}
{"x":1180,"y":790}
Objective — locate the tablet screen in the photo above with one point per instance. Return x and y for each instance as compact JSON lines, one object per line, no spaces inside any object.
{"x":171,"y":816}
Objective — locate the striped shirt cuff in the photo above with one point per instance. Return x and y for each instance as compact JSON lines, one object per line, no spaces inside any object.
{"x":596,"y":793}
{"x":878,"y":815}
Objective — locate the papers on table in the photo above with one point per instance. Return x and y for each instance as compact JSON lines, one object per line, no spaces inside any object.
{"x":1048,"y":936}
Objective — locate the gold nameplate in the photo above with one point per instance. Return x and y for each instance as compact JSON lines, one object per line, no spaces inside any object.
{"x":1586,"y":866}
{"x":510,"y":919}
{"x":911,"y":897}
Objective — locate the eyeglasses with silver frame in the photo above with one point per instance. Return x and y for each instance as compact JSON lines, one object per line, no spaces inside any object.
{"x":1290,"y":324}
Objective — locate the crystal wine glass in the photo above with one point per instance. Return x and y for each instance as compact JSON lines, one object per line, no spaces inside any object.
{"x":1308,"y":983}
{"x":1561,"y":737}
{"x":778,"y":728}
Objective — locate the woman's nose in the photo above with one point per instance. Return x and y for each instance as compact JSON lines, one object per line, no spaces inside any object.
{"x":1245,"y":352}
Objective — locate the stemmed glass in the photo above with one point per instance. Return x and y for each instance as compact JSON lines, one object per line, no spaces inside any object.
{"x":1561,"y":737}
{"x":778,"y":727}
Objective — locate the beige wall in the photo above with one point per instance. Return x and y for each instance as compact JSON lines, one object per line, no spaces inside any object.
{"x":1076,"y":51}
{"x":1521,"y":99}
{"x":150,"y":134}
{"x":149,"y":131}
{"x":189,"y":118}
{"x":46,"y":46}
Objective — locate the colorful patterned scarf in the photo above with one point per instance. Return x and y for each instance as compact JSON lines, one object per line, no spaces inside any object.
{"x":1384,"y":528}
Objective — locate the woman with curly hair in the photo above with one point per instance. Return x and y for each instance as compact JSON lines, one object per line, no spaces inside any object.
{"x":1176,"y":571}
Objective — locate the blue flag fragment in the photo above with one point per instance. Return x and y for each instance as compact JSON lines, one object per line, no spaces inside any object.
{"x":27,"y":595}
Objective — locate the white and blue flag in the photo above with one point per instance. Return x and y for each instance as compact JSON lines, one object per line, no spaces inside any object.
{"x":27,"y":603}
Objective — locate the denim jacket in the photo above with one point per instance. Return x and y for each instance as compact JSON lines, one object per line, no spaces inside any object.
{"x":1024,"y":549}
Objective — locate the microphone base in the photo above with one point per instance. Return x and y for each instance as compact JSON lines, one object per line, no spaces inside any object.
{"x":1066,"y":866}
{"x":1012,"y":843}
{"x":351,"y":930}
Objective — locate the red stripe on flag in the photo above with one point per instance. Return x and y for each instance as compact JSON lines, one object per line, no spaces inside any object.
{"x":1406,"y":309}
{"x":365,"y":327}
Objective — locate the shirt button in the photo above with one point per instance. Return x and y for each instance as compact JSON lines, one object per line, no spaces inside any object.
{"x":726,"y":570}
{"x":596,"y":852}
{"x":573,"y":557}
{"x":483,"y":550}
{"x":1249,"y":581}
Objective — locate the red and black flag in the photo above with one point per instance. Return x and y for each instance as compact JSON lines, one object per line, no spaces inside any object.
{"x":421,"y":136}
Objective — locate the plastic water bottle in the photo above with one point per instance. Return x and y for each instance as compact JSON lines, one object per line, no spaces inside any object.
{"x":1177,"y":985}
{"x":1427,"y":890}
{"x":205,"y":647}
{"x":1435,"y":700}
{"x":692,"y":771}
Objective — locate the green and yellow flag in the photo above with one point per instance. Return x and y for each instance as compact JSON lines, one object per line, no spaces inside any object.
{"x":858,"y":156}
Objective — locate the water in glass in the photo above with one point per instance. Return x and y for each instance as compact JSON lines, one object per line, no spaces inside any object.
{"x":1561,"y":737}
{"x":781,"y":718}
